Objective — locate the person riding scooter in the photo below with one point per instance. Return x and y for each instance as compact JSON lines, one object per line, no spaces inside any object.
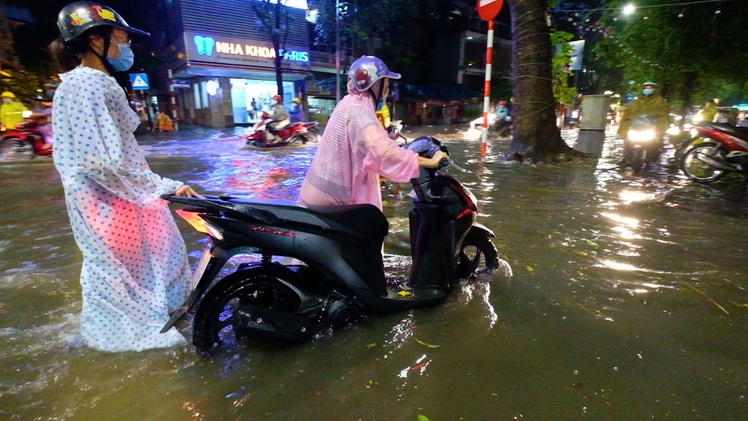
{"x":355,"y":149}
{"x":279,"y":119}
{"x":652,"y":104}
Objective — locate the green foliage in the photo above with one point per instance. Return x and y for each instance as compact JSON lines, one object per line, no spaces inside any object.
{"x":23,"y":84}
{"x":691,"y":51}
{"x":383,"y":27}
{"x":563,"y":93}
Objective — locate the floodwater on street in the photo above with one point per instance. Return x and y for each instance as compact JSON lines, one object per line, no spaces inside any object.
{"x":622,"y":298}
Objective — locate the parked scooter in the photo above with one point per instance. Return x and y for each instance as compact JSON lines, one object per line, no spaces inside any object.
{"x":29,"y":138}
{"x":293,"y":132}
{"x":643,"y":144}
{"x":504,"y":126}
{"x":714,"y":150}
{"x":341,"y":275}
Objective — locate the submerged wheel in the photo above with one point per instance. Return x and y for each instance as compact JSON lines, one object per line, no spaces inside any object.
{"x":688,"y":144}
{"x":478,"y":254}
{"x":218,"y":312}
{"x":313,"y":135}
{"x":11,"y":146}
{"x":693,"y":166}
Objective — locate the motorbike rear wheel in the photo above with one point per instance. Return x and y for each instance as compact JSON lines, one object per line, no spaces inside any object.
{"x":11,"y":146}
{"x":696,"y":169}
{"x":477,"y":254}
{"x":218,"y":313}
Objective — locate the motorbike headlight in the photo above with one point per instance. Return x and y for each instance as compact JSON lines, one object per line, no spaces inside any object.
{"x":26,"y":114}
{"x":673,"y":131}
{"x":642,"y":135}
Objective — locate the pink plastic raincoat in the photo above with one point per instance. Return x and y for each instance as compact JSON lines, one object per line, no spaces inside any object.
{"x":355,"y":150}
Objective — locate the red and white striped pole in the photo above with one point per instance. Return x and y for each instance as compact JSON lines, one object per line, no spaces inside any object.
{"x":487,"y":10}
{"x":487,"y":89}
{"x":173,"y":97}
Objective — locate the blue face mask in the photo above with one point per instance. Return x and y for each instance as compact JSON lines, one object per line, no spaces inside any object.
{"x":648,"y":92}
{"x":126,"y":59}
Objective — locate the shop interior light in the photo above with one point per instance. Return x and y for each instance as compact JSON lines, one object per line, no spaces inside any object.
{"x":211,"y":87}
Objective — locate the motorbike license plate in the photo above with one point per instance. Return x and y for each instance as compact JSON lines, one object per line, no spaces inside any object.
{"x":202,"y":264}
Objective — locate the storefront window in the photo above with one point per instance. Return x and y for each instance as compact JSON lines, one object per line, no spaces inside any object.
{"x":249,"y":98}
{"x":201,"y":97}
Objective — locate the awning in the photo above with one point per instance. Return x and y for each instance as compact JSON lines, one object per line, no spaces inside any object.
{"x":239,"y":72}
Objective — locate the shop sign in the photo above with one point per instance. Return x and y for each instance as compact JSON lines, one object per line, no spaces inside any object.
{"x":240,"y":51}
{"x":180,"y":83}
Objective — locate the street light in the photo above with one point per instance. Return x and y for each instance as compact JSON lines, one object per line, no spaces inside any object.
{"x":629,"y":9}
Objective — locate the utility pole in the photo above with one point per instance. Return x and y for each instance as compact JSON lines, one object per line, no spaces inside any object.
{"x":337,"y":51}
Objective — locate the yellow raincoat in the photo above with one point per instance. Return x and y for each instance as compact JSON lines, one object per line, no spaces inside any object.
{"x":11,"y":114}
{"x":654,"y":105}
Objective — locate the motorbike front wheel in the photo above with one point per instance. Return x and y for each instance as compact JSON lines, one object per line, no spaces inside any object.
{"x":477,"y":254}
{"x":219,"y":314}
{"x":694,"y":166}
{"x":681,"y":149}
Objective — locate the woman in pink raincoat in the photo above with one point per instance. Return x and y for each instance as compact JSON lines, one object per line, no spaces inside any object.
{"x":355,"y":149}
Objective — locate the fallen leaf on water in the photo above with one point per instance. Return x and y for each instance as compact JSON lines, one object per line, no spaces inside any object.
{"x":582,"y":253}
{"x":371,"y":345}
{"x":529,"y":268}
{"x":426,"y":344}
{"x":423,"y":418}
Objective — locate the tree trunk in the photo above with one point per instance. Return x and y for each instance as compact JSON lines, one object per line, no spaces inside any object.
{"x":535,"y":134}
{"x":689,"y":84}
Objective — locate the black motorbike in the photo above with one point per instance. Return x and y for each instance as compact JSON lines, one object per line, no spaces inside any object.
{"x":321,"y":267}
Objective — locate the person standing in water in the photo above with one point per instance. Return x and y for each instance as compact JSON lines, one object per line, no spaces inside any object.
{"x":135,"y":270}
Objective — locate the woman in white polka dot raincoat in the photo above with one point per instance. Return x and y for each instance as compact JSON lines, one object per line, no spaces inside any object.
{"x":135,"y":269}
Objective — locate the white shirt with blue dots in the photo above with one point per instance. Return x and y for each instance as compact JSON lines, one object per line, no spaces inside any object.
{"x":135,"y":269}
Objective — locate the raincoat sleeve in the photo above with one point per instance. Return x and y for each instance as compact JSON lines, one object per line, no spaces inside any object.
{"x":105,"y":159}
{"x":385,"y":156}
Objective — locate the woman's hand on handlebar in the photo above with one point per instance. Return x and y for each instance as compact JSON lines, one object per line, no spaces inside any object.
{"x":186,"y":191}
{"x":434,"y":161}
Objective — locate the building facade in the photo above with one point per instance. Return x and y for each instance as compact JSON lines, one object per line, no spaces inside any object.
{"x":223,"y":62}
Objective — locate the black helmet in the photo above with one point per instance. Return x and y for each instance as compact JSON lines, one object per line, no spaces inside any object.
{"x":80,"y":16}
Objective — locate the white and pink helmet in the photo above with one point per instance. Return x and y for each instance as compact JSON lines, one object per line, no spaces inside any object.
{"x":367,"y":70}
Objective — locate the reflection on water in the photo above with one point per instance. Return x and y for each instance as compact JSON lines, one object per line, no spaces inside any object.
{"x":620,"y":297}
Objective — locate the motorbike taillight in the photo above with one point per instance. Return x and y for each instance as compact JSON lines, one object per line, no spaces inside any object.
{"x":201,"y":225}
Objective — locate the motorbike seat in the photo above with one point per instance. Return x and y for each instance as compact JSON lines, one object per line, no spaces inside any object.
{"x":741,"y":132}
{"x":363,"y":221}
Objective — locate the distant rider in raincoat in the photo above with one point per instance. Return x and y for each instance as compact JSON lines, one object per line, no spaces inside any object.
{"x":708,"y":112}
{"x":355,"y":149}
{"x":650,"y":103}
{"x":11,"y":112}
{"x":297,"y":111}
